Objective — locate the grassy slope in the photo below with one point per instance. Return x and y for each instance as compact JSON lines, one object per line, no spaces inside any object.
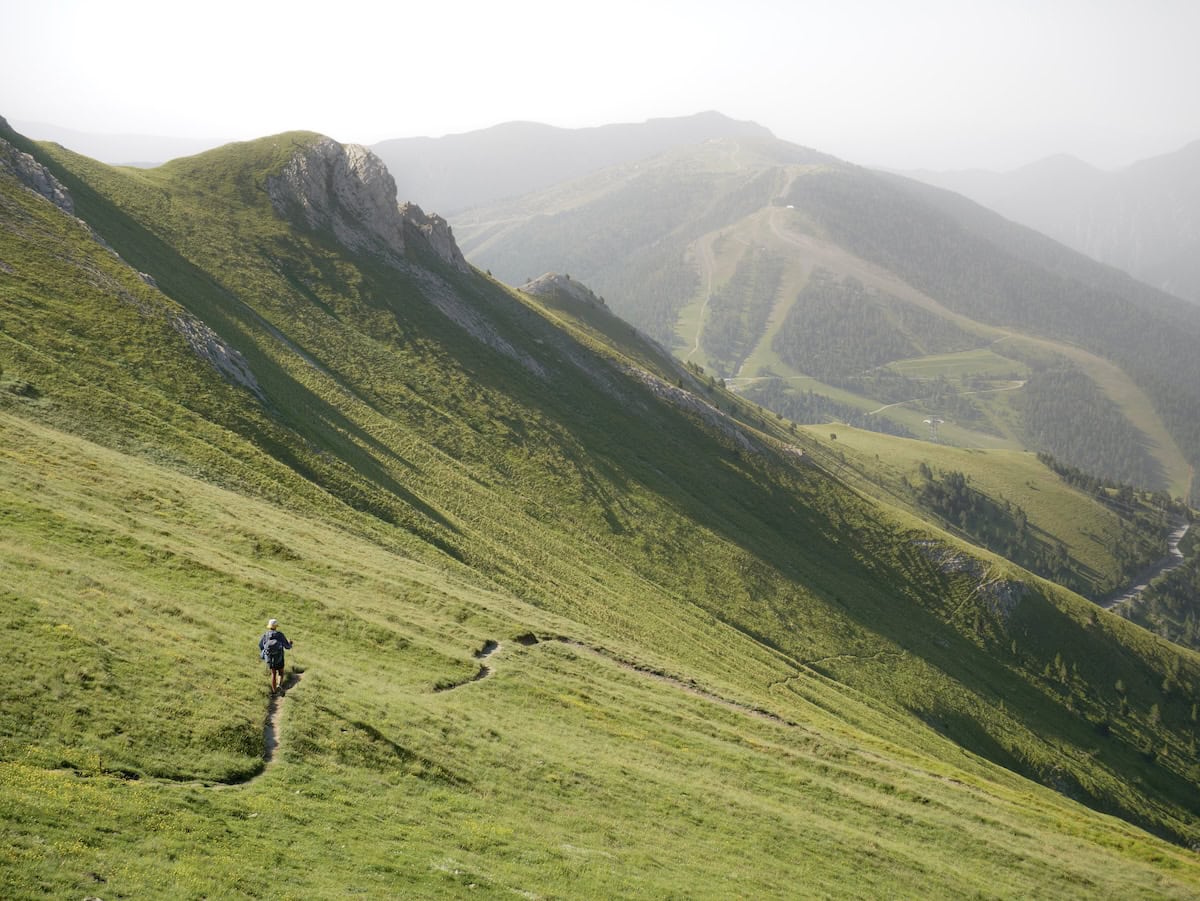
{"x":1087,"y":529}
{"x":563,"y":774}
{"x":468,"y":461}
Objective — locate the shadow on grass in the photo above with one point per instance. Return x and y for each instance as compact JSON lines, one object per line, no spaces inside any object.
{"x":393,"y":754}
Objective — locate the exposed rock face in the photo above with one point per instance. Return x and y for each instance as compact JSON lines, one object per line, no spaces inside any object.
{"x":686,"y":400}
{"x":470,"y":320}
{"x":552,"y":283}
{"x":209,"y":346}
{"x":1001,"y":596}
{"x":345,"y":189}
{"x":35,"y":176}
{"x":437,"y":233}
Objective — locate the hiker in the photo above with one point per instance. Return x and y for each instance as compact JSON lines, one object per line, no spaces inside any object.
{"x":271,"y":647}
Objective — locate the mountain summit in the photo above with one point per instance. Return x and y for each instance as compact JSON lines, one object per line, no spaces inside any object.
{"x":455,"y":171}
{"x":348,"y":190}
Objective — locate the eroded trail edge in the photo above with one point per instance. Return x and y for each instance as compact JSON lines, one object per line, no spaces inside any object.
{"x":688,"y":685}
{"x":489,"y":648}
{"x":271,"y":723}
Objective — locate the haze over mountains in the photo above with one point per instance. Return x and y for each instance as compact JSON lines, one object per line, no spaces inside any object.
{"x":572,"y":618}
{"x":718,"y":249}
{"x":479,"y":167}
{"x":1144,"y":218}
{"x":117,"y":149}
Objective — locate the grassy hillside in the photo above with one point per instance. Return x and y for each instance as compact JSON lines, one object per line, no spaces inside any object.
{"x":1013,"y":503}
{"x":767,"y":679}
{"x":564,"y":773}
{"x":762,"y":261}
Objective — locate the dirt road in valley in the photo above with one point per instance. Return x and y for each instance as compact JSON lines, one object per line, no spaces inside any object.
{"x":1173,"y":560}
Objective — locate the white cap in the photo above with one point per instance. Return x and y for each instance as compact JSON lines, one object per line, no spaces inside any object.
{"x":272,"y":623}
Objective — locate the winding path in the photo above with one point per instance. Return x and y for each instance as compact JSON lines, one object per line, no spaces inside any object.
{"x":688,"y":685}
{"x":1173,"y":560}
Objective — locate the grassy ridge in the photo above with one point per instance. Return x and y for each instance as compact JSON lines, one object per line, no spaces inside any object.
{"x":406,"y":492}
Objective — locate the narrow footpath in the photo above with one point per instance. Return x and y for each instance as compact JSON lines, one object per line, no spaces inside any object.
{"x":271,"y":724}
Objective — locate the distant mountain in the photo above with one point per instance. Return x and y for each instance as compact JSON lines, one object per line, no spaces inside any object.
{"x":117,"y":149}
{"x":871,"y":299}
{"x":452,"y":172}
{"x":1144,"y":218}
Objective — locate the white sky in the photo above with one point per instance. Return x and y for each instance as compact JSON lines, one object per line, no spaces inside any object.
{"x":927,"y":83}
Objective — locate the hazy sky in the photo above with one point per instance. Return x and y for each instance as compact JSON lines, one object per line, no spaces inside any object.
{"x":882,"y":82}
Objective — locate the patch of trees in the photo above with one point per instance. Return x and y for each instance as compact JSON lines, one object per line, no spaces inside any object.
{"x":1120,"y":494}
{"x":738,"y":312}
{"x":809,"y":408}
{"x":998,"y":525}
{"x":1171,"y":605}
{"x":1003,"y":527}
{"x":839,"y":327}
{"x":1064,"y":414}
{"x":978,"y":264}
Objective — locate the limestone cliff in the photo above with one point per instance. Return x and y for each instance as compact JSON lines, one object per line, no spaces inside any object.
{"x":346,"y":189}
{"x":436,"y":231}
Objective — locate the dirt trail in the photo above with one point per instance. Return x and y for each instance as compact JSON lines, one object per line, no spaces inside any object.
{"x":271,"y":725}
{"x":687,"y":685}
{"x":1173,"y":560}
{"x":270,"y":747}
{"x":489,"y":648}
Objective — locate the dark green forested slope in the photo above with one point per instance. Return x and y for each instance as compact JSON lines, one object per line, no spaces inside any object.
{"x":976,"y":263}
{"x":626,"y":231}
{"x":503,"y":464}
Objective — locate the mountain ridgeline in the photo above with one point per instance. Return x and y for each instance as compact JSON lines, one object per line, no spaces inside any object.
{"x":250,"y":383}
{"x":761,"y":260}
{"x":1141,"y":218}
{"x":464,"y":170}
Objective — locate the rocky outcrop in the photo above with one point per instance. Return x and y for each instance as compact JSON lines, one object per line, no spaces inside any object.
{"x":435,"y":231}
{"x":345,"y":189}
{"x":35,"y":176}
{"x":470,"y":320}
{"x":686,"y":400}
{"x":999,"y":595}
{"x":209,"y":346}
{"x":551,"y":284}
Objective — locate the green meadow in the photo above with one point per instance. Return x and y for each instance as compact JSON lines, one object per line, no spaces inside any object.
{"x":568,"y":771}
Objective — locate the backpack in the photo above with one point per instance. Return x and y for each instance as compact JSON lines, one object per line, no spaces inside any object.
{"x":271,"y":652}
